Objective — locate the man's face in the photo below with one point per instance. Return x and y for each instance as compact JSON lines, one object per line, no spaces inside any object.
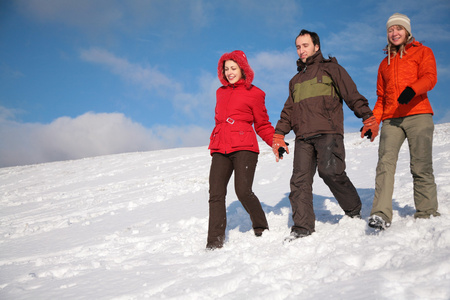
{"x":305,"y":47}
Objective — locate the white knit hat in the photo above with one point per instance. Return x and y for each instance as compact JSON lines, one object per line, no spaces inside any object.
{"x":399,"y":19}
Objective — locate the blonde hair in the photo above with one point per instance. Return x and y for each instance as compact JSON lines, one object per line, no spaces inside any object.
{"x":394,"y":50}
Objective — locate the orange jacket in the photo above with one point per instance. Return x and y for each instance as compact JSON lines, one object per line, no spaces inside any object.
{"x":417,"y":70}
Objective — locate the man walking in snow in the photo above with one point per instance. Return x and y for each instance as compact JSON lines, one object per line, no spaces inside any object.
{"x":314,"y":112}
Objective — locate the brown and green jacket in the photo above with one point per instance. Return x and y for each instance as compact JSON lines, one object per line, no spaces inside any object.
{"x":316,"y":94}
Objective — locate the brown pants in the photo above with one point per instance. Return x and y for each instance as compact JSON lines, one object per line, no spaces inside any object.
{"x":327,"y":154}
{"x":243,"y":163}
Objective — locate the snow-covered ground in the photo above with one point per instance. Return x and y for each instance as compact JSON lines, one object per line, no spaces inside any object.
{"x":133,"y":226}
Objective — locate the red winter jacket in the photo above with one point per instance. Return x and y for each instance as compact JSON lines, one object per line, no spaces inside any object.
{"x":238,"y":107}
{"x":417,"y":70}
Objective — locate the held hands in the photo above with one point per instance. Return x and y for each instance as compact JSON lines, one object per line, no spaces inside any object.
{"x":406,"y":96}
{"x":370,"y":128}
{"x":278,"y":146}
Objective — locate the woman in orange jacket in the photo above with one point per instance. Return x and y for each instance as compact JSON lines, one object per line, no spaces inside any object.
{"x":240,"y":106}
{"x":404,"y":78}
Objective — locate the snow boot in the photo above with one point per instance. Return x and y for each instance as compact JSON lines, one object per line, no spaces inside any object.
{"x":215,"y":243}
{"x":355,"y":216}
{"x":378,"y":223}
{"x":213,"y":246}
{"x":297,"y":234}
{"x":259,"y":231}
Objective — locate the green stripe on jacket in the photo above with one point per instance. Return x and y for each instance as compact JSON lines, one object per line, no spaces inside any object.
{"x":313,"y":88}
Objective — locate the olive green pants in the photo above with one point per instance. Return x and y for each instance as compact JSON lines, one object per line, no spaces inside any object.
{"x":418,"y":129}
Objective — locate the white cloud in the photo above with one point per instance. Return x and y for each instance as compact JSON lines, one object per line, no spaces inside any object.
{"x":279,"y":62}
{"x":8,"y":72}
{"x":8,"y":114}
{"x":147,"y":77}
{"x":200,"y":104}
{"x":87,"y":135}
{"x":273,"y":70}
{"x":183,"y":136}
{"x":356,"y":37}
{"x":189,"y":104}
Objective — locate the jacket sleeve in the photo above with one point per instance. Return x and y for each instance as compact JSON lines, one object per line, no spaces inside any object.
{"x":263,"y":127}
{"x":284,"y":123}
{"x":427,"y":77}
{"x":379,"y":106}
{"x":347,"y":88}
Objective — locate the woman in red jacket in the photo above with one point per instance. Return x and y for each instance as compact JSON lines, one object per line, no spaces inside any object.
{"x":234,"y":146}
{"x":404,"y":78}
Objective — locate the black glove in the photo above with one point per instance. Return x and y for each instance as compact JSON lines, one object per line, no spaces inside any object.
{"x":368,"y":133}
{"x":406,"y":96}
{"x":281,"y":151}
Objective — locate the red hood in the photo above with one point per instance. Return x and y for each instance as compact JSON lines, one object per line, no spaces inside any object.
{"x":241,"y":59}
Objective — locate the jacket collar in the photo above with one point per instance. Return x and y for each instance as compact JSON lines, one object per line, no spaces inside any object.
{"x":240,"y":83}
{"x":316,"y":58}
{"x":412,"y":43}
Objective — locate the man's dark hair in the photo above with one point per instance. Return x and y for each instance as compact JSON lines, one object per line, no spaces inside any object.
{"x":314,"y":36}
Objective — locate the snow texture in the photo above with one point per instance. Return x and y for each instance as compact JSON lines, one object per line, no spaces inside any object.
{"x":133,"y":226}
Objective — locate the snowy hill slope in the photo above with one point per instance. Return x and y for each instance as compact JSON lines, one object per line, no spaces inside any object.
{"x":133,"y":226}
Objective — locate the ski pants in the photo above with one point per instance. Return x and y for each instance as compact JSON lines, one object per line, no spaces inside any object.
{"x":418,"y":129}
{"x":326,"y":153}
{"x":243,"y":163}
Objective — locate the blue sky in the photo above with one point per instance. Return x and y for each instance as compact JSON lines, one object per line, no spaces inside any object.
{"x":85,"y":78}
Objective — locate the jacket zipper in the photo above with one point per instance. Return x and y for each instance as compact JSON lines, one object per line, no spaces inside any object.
{"x":226,"y":115}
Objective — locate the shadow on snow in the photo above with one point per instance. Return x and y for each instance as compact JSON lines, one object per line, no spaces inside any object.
{"x":237,"y":217}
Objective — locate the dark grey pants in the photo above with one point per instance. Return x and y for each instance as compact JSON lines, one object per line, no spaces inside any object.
{"x":327,"y":154}
{"x":243,"y":163}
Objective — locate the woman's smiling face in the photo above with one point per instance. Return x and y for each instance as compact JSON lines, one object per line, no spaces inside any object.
{"x":232,"y":71}
{"x":397,"y":35}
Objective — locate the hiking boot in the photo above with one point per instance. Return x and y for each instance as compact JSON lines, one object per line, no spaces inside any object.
{"x":425,"y":215}
{"x":259,"y":231}
{"x":297,"y":234}
{"x":378,"y":223}
{"x":213,"y":246}
{"x":216,"y":243}
{"x":354,"y":216}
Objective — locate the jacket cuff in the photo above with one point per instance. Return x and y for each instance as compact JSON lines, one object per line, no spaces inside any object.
{"x":367,"y":116}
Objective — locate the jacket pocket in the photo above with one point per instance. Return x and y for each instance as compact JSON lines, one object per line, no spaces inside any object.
{"x":214,"y":140}
{"x":242,"y":138}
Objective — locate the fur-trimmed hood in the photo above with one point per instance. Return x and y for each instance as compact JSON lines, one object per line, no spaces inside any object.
{"x":241,"y":59}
